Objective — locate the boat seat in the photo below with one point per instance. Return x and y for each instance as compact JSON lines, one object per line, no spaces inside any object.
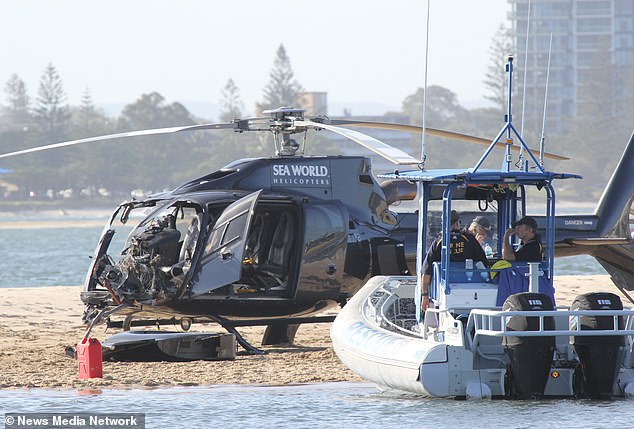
{"x":190,"y":240}
{"x":254,"y":246}
{"x":278,"y":254}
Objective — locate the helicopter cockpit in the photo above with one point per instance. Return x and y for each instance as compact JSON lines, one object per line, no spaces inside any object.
{"x":187,"y":247}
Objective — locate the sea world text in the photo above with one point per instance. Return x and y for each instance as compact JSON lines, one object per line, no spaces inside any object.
{"x":300,"y":175}
{"x":300,"y":170}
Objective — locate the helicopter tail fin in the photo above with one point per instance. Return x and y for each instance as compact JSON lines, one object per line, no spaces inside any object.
{"x":614,"y":211}
{"x":610,"y":242}
{"x":613,"y":208}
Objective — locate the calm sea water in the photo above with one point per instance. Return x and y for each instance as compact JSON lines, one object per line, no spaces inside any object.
{"x":33,"y":257}
{"x":326,"y":405}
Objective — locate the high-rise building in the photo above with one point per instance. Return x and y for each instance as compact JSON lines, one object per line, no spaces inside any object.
{"x":585,"y":35}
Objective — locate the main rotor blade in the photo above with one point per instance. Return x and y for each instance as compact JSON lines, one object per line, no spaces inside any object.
{"x":388,"y":152}
{"x":436,"y":132}
{"x":156,"y":131}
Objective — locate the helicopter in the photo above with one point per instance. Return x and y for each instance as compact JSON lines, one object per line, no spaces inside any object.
{"x":274,"y":241}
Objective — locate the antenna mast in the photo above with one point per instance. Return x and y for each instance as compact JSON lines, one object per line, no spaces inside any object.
{"x":509,"y":129}
{"x":528,"y":26}
{"x":419,"y":186}
{"x":542,"y":141}
{"x":423,"y":150}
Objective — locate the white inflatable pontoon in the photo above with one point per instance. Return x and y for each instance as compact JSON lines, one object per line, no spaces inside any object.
{"x":377,"y":336}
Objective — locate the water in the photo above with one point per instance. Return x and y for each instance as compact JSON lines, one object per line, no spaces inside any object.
{"x":46,"y":256}
{"x":60,"y":255}
{"x":575,"y":265}
{"x":323,"y":405}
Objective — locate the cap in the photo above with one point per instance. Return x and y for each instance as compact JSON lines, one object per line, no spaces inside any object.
{"x":528,"y":221}
{"x":482,"y":222}
{"x":455,"y":217}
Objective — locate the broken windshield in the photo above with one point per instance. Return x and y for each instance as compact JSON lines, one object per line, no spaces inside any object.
{"x":149,"y":261}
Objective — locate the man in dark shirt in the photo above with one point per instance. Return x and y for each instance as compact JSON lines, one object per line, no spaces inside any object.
{"x":463,"y":245}
{"x":530,"y":249}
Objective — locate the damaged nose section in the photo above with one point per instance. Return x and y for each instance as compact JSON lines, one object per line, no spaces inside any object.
{"x":121,"y":285}
{"x":147,"y":272}
{"x":153,"y":266}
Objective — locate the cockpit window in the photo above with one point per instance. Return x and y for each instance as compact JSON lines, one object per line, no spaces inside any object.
{"x":227,"y":233}
{"x":176,"y":217}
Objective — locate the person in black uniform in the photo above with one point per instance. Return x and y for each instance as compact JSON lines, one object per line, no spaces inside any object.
{"x":463,"y":246}
{"x":531,"y":249}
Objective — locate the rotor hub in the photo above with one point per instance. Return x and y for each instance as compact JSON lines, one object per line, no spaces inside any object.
{"x":282,"y":125}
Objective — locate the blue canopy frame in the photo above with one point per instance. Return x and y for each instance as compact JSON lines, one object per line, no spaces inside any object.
{"x":513,"y":181}
{"x":512,"y":203}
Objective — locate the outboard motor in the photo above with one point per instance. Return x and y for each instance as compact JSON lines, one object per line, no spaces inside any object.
{"x":600,"y":357}
{"x":530,"y":357}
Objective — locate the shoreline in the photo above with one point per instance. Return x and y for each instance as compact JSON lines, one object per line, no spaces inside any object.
{"x":61,"y":218}
{"x":37,"y":323}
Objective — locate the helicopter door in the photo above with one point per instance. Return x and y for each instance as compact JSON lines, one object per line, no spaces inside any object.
{"x":324,"y":250}
{"x":221,"y":262}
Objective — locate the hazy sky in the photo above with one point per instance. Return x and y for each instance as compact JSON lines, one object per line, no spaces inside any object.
{"x":359,"y":51}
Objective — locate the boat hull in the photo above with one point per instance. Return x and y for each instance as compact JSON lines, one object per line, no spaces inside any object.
{"x":455,"y":357}
{"x":384,"y":357}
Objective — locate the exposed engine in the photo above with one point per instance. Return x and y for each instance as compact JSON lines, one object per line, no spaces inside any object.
{"x":148,"y":270}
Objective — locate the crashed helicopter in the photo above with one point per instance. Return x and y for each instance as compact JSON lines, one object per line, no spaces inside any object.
{"x":274,"y":241}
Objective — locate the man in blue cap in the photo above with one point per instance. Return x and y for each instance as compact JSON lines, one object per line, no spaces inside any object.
{"x":531,"y":249}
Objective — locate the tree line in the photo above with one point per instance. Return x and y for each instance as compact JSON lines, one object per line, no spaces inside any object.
{"x":155,"y":163}
{"x":146,"y":163}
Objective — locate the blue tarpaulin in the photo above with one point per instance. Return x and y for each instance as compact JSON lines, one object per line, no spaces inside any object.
{"x":515,"y":280}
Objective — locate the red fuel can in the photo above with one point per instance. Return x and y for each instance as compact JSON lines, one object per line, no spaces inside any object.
{"x":89,"y":358}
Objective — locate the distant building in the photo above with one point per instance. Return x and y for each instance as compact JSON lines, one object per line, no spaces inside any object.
{"x":314,"y":102}
{"x":580,"y":29}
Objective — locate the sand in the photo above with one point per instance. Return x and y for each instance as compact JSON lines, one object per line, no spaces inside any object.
{"x":36,"y":324}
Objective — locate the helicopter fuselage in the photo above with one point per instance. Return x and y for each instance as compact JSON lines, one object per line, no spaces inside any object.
{"x":270,"y":237}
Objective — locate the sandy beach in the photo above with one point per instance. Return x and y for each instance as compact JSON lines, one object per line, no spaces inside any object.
{"x":36,"y":324}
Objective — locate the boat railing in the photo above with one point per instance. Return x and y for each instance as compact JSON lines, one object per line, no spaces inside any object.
{"x":430,"y":321}
{"x":493,"y":323}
